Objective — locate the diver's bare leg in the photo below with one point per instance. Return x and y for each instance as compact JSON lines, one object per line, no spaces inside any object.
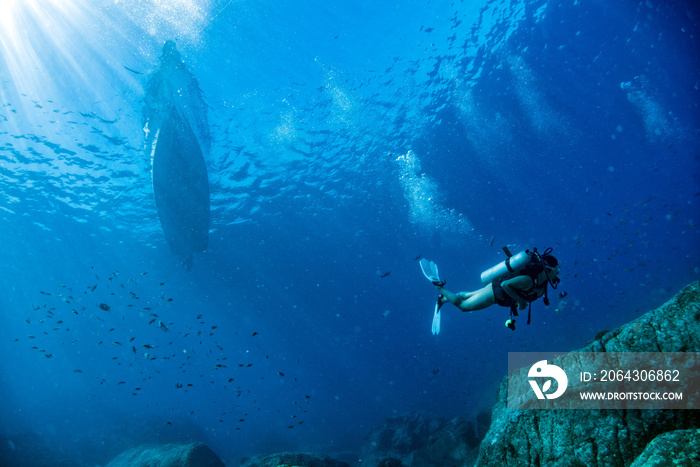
{"x":469,"y":301}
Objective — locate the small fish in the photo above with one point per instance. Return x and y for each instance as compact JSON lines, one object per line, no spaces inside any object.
{"x":417,"y":257}
{"x":44,"y":293}
{"x":280,"y":373}
{"x":104,"y":307}
{"x":93,"y":288}
{"x":382,"y":276}
{"x":152,"y":321}
{"x":255,"y":333}
{"x":116,"y":343}
{"x":136,"y":73}
{"x":132,"y":339}
{"x":146,"y":346}
{"x":121,"y":382}
{"x":563,"y":294}
{"x":162,"y":326}
{"x":386,"y":313}
{"x":48,"y":355}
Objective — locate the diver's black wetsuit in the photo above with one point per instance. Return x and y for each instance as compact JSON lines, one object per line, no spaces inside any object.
{"x":503,"y":299}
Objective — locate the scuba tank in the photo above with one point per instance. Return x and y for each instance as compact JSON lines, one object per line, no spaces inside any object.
{"x":512,"y":264}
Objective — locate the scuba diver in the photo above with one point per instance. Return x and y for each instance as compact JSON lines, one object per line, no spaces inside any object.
{"x":514,"y":283}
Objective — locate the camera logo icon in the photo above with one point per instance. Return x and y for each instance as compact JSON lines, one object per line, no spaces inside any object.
{"x":542,"y":369}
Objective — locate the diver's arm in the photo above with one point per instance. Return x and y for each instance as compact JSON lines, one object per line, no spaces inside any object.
{"x":511,"y":286}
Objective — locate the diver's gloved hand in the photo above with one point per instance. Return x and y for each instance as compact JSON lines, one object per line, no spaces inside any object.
{"x":514,"y":309}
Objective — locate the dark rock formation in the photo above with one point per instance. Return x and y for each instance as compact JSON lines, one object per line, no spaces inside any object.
{"x":420,"y":440}
{"x":31,"y":450}
{"x":296,"y":459}
{"x":168,"y":455}
{"x":390,"y":462}
{"x":680,"y":448}
{"x":568,"y":438}
{"x":483,"y":422}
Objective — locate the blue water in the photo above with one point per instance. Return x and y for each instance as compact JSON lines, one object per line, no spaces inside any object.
{"x":347,"y":141}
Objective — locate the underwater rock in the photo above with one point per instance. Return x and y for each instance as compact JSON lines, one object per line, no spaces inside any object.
{"x":483,"y":422}
{"x":390,"y":462}
{"x":168,"y":455}
{"x":599,"y":437}
{"x":680,"y":448}
{"x":297,"y":459}
{"x":421,"y":440}
{"x":455,"y":444}
{"x":32,"y":450}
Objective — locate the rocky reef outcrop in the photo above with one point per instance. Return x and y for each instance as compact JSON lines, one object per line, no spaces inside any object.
{"x":421,"y":440}
{"x":680,"y":448}
{"x":296,"y":459}
{"x":572,"y":438}
{"x":32,"y":450}
{"x":168,"y":455}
